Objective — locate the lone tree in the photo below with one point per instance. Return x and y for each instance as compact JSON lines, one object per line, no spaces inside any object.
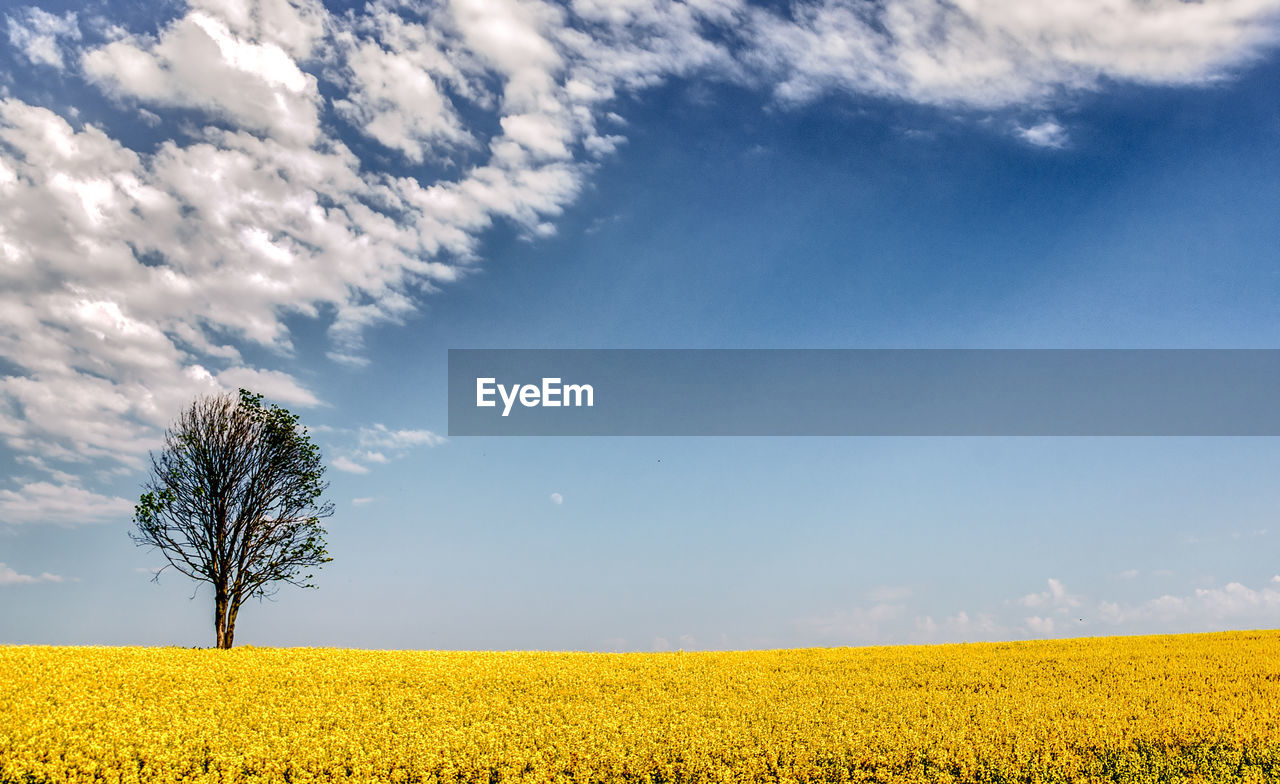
{"x":233,"y":500}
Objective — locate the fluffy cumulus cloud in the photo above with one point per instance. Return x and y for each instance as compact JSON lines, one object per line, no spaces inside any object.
{"x":1057,"y":611}
{"x":245,"y":74}
{"x":1055,"y":597}
{"x":338,"y":165}
{"x":1234,"y":605}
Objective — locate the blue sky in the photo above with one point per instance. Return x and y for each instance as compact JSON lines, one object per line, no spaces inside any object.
{"x":318,"y":202}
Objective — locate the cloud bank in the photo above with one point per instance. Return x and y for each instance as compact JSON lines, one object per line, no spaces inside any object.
{"x":339,"y":166}
{"x":1057,"y":613}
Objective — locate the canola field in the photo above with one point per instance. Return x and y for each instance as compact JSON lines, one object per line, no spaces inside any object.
{"x":1195,"y":708}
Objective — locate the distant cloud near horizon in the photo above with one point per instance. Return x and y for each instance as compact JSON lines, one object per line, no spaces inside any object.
{"x":261,"y":202}
{"x":1057,"y":613}
{"x":1056,"y":596}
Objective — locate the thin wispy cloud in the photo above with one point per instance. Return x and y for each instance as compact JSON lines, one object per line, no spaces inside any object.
{"x":891,"y":593}
{"x":39,"y":35}
{"x":379,"y":436}
{"x":359,"y":450}
{"x":49,"y":503}
{"x":858,"y":625}
{"x":11,"y":576}
{"x":962,"y":627}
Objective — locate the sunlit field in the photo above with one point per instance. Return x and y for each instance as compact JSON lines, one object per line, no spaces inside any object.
{"x":1140,"y":709}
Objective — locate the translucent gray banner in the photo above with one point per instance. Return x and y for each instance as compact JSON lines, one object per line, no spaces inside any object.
{"x":869,"y":392}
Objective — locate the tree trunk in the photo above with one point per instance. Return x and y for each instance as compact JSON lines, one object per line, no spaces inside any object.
{"x":220,"y":618}
{"x":232,"y":610}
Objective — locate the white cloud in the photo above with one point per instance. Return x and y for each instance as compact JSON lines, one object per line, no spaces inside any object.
{"x":271,"y":383}
{"x":854,"y":626}
{"x":36,"y":33}
{"x":1235,"y":599}
{"x":296,"y":26}
{"x":1128,"y":574}
{"x":396,"y":72}
{"x":961,"y":627}
{"x":990,"y":53}
{"x":1060,"y":613}
{"x":10,"y":576}
{"x":343,"y":463}
{"x":376,"y":445}
{"x":1231,"y":605}
{"x":1055,"y":597}
{"x":1040,"y":627}
{"x":133,"y":279}
{"x":1057,"y":612}
{"x":199,"y":61}
{"x":1044,"y":134}
{"x":61,"y":504}
{"x":379,"y":436}
{"x":361,"y":501}
{"x":557,"y":499}
{"x":56,"y":474}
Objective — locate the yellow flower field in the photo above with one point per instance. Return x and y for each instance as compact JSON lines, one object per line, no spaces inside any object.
{"x":1136,"y":709}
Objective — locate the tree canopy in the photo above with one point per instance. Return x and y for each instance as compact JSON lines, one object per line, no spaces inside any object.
{"x":234,"y":500}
